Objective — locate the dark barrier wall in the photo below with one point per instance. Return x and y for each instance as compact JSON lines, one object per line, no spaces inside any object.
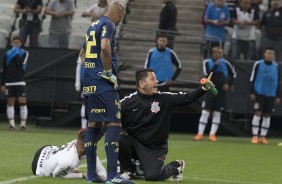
{"x":50,"y":75}
{"x":51,"y":78}
{"x":238,"y":100}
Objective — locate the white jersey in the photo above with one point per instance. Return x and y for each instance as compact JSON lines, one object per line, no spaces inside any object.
{"x":58,"y":161}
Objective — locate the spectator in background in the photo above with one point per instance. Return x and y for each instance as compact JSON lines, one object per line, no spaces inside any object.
{"x":232,"y":4}
{"x":13,"y":83}
{"x":29,"y":23}
{"x":255,"y":4}
{"x":244,"y":18}
{"x":161,"y":59}
{"x":265,"y":92}
{"x":217,"y":17}
{"x":60,"y":26}
{"x":272,"y":29}
{"x":167,"y":22}
{"x":223,"y":77}
{"x":96,"y":11}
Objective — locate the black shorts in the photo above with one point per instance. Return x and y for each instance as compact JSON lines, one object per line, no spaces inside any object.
{"x":35,"y":159}
{"x":216,"y":103}
{"x":103,"y":107}
{"x":15,"y":91}
{"x":264,"y":104}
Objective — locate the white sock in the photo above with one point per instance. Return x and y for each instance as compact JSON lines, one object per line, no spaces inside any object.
{"x":101,"y":171}
{"x":82,"y":115}
{"x":215,"y":122}
{"x":203,"y":121}
{"x":23,"y":114}
{"x":264,"y":126}
{"x":11,"y":115}
{"x":255,"y":125}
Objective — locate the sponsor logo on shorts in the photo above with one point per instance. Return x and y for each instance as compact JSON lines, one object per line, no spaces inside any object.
{"x":89,"y":89}
{"x":98,"y":111}
{"x":89,"y":65}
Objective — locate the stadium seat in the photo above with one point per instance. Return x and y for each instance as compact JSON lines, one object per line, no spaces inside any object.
{"x":7,"y":9}
{"x":46,"y":24}
{"x":76,"y":41}
{"x":17,"y":24}
{"x":43,"y":39}
{"x":78,"y":13}
{"x":85,"y":3}
{"x":12,"y":2}
{"x":3,"y":38}
{"x":258,"y":39}
{"x":5,"y":23}
{"x":80,"y":25}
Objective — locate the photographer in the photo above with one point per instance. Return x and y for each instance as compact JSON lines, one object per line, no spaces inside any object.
{"x":29,"y":23}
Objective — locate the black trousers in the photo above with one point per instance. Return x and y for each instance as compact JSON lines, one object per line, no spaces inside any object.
{"x":152,"y":160}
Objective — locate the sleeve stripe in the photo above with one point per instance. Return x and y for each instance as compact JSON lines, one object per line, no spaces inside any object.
{"x":26,"y":57}
{"x":147,"y":58}
{"x":177,"y":59}
{"x":231,"y":67}
{"x":253,"y":71}
{"x":204,"y":67}
{"x":129,"y":96}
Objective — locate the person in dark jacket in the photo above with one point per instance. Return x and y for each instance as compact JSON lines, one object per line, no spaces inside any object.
{"x":265,"y":92}
{"x":146,"y":115}
{"x":167,"y":22}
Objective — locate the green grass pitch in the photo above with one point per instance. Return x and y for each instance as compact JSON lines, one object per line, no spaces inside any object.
{"x":230,"y":160}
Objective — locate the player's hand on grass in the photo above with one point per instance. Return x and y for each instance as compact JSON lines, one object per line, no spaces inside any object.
{"x":109,"y":76}
{"x":253,"y":97}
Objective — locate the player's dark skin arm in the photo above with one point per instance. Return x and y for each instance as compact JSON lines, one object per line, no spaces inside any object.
{"x":106,"y":54}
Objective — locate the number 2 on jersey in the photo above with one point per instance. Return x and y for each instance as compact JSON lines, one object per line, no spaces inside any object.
{"x":90,"y":44}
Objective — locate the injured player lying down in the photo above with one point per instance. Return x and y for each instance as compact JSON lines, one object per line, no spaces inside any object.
{"x":63,"y":161}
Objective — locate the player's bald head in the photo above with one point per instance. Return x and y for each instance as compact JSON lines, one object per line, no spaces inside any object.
{"x":116,"y":11}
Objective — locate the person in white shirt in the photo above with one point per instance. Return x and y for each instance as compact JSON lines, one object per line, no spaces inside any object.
{"x":79,"y":75}
{"x":96,"y":11}
{"x":63,"y":161}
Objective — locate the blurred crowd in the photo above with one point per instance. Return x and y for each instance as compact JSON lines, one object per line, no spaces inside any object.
{"x":243,"y":28}
{"x":50,"y":23}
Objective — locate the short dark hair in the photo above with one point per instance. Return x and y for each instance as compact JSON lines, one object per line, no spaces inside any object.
{"x":16,"y":38}
{"x":269,"y":48}
{"x":161,"y":36}
{"x":141,"y":74}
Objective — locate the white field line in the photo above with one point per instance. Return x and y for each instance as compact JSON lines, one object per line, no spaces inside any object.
{"x":33,"y":177}
{"x":105,"y":160}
